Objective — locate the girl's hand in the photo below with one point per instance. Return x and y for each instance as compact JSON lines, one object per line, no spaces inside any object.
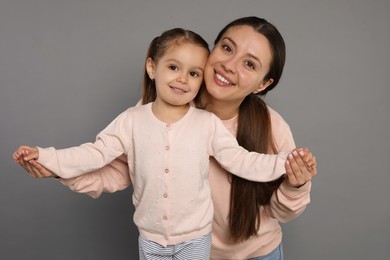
{"x":300,"y":166}
{"x":26,"y":153}
{"x":26,"y":157}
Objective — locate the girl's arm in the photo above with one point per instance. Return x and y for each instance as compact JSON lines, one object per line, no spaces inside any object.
{"x":237,"y":160}
{"x":113,"y":141}
{"x":110,"y":178}
{"x":72,"y":162}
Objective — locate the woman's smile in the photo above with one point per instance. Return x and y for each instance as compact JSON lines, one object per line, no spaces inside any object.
{"x":222,"y":80}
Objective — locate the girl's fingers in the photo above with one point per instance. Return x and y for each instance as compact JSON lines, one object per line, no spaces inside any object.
{"x":32,"y":154}
{"x":22,"y":151}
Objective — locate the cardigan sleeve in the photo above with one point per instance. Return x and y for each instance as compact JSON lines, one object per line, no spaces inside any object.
{"x":72,"y":162}
{"x":237,"y":160}
{"x":110,"y":178}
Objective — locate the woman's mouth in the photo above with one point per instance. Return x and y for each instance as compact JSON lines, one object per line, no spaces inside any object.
{"x":221,"y":80}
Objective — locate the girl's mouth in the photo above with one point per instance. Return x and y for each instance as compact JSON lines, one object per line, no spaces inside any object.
{"x":178,"y":90}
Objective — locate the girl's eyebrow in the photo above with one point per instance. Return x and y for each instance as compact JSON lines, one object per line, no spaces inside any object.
{"x":179,"y":62}
{"x":249,"y":54}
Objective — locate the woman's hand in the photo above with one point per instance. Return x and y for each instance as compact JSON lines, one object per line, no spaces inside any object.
{"x":300,"y":166}
{"x":26,"y":157}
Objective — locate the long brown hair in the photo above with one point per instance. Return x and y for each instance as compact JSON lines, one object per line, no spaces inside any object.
{"x":254,"y":132}
{"x":157,"y":49}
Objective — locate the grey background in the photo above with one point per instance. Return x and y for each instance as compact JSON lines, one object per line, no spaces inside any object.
{"x":67,"y":68}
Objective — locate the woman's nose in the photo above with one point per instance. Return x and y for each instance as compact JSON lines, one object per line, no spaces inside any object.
{"x":230,"y":65}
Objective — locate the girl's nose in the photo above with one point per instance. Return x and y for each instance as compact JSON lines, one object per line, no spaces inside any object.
{"x":183,"y":77}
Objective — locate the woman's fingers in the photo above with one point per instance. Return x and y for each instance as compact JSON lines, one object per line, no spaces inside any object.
{"x":40,"y":170}
{"x":297,"y":169}
{"x":291,"y":180}
{"x":36,"y":170}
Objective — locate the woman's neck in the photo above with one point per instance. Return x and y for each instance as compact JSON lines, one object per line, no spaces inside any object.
{"x":225,"y":110}
{"x":168,"y":113}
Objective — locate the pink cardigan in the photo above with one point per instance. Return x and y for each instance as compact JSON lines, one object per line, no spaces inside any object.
{"x":169,"y":166}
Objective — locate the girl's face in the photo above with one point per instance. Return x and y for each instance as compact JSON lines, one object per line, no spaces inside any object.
{"x":178,"y":74}
{"x":238,"y":64}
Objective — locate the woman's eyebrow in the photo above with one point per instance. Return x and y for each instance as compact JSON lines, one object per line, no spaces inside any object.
{"x":230,"y":40}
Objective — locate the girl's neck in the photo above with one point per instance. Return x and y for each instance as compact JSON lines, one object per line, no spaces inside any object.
{"x":168,"y":113}
{"x":225,"y":110}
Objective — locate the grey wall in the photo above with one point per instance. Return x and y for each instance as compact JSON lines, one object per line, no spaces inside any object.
{"x":67,"y":68}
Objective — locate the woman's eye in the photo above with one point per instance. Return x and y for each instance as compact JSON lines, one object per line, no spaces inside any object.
{"x":250,"y":65}
{"x":226,"y":48}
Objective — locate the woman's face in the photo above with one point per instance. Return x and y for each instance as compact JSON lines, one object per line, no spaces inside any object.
{"x":238,"y":64}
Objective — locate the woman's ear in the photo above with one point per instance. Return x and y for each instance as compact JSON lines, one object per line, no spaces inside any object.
{"x":149,"y":66}
{"x":263,"y":85}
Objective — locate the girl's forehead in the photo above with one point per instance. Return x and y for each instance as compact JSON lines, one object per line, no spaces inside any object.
{"x":188,"y":53}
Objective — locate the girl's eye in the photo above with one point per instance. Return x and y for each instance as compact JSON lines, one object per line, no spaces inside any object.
{"x":194,"y":74}
{"x":173,"y":67}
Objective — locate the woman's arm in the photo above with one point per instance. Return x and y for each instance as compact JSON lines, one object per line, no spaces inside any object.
{"x":293,"y":195}
{"x":111,"y":178}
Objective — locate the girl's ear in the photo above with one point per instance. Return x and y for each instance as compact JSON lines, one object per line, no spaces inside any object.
{"x":263,"y":85}
{"x":149,"y":66}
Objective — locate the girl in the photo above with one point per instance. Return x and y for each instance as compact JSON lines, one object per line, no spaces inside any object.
{"x":168,"y":144}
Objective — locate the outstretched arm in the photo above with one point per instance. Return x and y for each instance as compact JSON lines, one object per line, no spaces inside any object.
{"x":110,"y":178}
{"x":253,"y":166}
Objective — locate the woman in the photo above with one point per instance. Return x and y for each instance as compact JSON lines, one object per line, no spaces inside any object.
{"x":246,"y":61}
